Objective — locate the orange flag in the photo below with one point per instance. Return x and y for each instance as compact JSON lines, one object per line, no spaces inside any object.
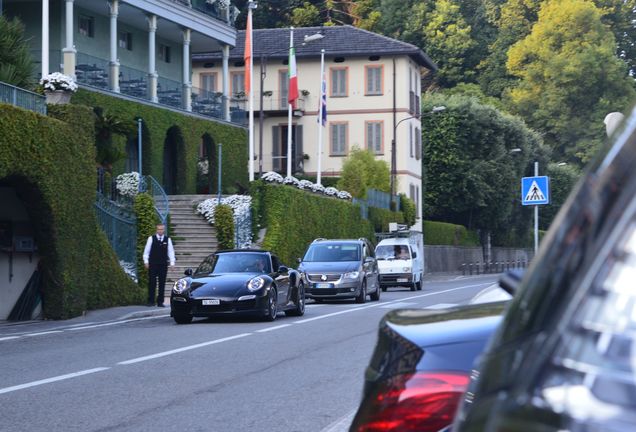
{"x":247,"y":54}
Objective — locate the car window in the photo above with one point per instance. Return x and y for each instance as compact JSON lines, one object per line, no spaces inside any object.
{"x":333,"y":252}
{"x":275,"y":263}
{"x":206,"y":266}
{"x":235,"y":262}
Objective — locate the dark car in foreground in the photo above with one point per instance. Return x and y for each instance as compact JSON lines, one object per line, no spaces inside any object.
{"x":340,"y":269}
{"x":564,"y":358}
{"x":421,"y":366}
{"x":238,"y":282}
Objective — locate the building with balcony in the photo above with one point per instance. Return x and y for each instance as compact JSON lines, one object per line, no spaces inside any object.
{"x":373,"y":83}
{"x":139,"y":49}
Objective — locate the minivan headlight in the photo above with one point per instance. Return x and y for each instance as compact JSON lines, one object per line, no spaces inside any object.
{"x":352,"y":275}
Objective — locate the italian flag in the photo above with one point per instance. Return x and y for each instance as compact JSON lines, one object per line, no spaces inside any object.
{"x":292,"y":93}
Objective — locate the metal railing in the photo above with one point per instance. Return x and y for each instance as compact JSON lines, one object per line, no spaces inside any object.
{"x":22,"y":98}
{"x":364,"y":207}
{"x":120,"y":226}
{"x":208,"y":103}
{"x":162,"y":205}
{"x":379,"y":199}
{"x":91,"y":71}
{"x":277,"y":101}
{"x":170,"y":92}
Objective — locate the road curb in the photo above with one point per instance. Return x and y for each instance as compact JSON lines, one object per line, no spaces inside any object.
{"x":148,"y":313}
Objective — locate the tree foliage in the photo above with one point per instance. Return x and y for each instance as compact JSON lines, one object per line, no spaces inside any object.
{"x":16,"y":65}
{"x":569,"y":77}
{"x":361,"y":171}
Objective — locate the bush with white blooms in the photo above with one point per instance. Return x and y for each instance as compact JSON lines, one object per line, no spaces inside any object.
{"x":273,"y":177}
{"x":241,"y":205}
{"x":127,"y":184}
{"x":58,"y":81}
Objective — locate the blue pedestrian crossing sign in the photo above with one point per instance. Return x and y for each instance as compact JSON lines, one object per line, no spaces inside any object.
{"x":535,"y":190}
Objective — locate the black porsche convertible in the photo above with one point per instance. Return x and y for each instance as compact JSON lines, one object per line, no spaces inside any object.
{"x":240,"y":281}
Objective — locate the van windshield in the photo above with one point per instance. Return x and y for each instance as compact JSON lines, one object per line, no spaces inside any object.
{"x":392,"y":252}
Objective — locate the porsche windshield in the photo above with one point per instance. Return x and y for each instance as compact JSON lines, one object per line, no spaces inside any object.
{"x":239,"y":262}
{"x":332,"y":252}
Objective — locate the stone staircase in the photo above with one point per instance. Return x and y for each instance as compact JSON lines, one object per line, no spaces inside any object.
{"x":192,"y":236}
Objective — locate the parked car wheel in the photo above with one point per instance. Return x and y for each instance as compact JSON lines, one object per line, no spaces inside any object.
{"x":182,"y":318}
{"x":299,"y":310}
{"x":272,"y":307}
{"x":375,"y":296}
{"x":362,"y":297}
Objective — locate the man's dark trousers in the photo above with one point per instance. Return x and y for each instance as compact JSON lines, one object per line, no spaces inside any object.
{"x":156,"y":271}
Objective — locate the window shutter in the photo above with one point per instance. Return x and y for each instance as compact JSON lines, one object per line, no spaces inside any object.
{"x":276,"y":148}
{"x":418,"y":145}
{"x":369,"y":81}
{"x":343,"y":138}
{"x":412,"y":153}
{"x":378,"y":137}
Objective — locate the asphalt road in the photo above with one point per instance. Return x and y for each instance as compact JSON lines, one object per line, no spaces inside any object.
{"x":149,"y":374}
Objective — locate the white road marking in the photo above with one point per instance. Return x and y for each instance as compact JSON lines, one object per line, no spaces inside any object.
{"x":397,"y":305}
{"x":441,"y":306}
{"x":50,"y":380}
{"x":9,"y":338}
{"x":43,"y":333}
{"x":272,"y":328}
{"x":179,"y":350}
{"x":341,"y":425}
{"x":116,"y":322}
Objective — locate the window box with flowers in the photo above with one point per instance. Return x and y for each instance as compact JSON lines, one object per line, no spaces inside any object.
{"x":58,"y":88}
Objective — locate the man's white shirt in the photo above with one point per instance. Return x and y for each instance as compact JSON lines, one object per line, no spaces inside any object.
{"x":146,"y":255}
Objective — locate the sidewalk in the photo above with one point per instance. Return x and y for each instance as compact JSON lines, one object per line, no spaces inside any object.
{"x":100,"y":315}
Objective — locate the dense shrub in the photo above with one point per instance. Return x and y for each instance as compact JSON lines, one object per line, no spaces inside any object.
{"x":408,"y":209}
{"x":51,"y":163}
{"x":380,"y":218}
{"x":441,"y":233}
{"x":224,"y":223}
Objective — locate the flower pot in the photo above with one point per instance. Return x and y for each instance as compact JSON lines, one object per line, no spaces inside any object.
{"x":58,"y":97}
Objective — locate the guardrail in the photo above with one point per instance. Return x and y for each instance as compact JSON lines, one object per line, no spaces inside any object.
{"x":22,"y":98}
{"x":476,"y":268}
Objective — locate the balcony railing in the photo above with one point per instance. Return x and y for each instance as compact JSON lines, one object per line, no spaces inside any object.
{"x":277,"y":101}
{"x":22,"y":98}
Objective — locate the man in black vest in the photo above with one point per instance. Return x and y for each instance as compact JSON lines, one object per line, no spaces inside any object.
{"x":157,"y":253}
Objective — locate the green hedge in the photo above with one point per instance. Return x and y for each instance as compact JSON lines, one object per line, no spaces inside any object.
{"x":51,"y":163}
{"x":408,"y":209}
{"x":147,"y":221}
{"x":380,"y":218}
{"x":294,"y":218}
{"x":224,"y":223}
{"x":183,"y":130}
{"x":442,"y":233}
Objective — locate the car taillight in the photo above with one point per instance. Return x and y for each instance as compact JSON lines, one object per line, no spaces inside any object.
{"x":424,"y":401}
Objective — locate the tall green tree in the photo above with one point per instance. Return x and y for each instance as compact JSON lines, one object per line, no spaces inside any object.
{"x":361,"y":171}
{"x":569,"y":77}
{"x":16,"y":65}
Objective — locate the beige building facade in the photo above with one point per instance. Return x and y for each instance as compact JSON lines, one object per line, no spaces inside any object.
{"x":373,"y":96}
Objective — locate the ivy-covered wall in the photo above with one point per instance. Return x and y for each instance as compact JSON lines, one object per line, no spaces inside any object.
{"x":184,"y":131}
{"x":50,"y":161}
{"x":294,"y":218}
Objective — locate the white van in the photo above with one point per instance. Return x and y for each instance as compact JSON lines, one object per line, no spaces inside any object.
{"x":400,"y":263}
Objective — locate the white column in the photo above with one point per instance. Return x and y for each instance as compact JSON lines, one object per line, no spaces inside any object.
{"x":69,"y":49}
{"x":113,"y":76}
{"x":186,"y":96}
{"x":152,"y":54}
{"x":321,"y":94}
{"x":226,"y":82}
{"x":45,"y":38}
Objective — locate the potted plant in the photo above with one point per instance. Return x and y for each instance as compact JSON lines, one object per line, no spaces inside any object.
{"x":268,"y":93}
{"x":58,"y":88}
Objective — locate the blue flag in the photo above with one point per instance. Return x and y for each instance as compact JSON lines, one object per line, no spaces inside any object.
{"x":323,"y":102}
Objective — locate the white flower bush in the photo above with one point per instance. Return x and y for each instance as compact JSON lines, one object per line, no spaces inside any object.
{"x":331,"y":191}
{"x":241,"y":205}
{"x":318,"y":188}
{"x":291,"y":180}
{"x":344,"y":195}
{"x":304,"y":184}
{"x":58,"y":81}
{"x":127,"y":184}
{"x":272,"y":177}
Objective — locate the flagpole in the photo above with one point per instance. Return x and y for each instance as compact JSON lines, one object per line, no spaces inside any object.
{"x":320,"y":113}
{"x":289,"y":110}
{"x":251,"y":6}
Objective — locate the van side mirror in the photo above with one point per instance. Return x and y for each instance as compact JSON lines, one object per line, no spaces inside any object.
{"x":511,"y":281}
{"x":414,"y":254}
{"x":369,"y":259}
{"x":188,"y":272}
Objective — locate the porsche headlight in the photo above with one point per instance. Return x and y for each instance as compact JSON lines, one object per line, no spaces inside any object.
{"x":352,"y":275}
{"x":256,"y":283}
{"x":180,"y":286}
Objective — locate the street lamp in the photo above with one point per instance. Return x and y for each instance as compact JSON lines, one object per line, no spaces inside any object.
{"x":435,"y":109}
{"x":261,"y":114}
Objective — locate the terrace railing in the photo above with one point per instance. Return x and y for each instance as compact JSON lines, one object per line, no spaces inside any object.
{"x":22,"y":98}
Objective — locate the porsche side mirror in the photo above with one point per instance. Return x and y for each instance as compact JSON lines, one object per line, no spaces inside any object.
{"x":299,"y":260}
{"x":188,"y":272}
{"x":283,"y":270}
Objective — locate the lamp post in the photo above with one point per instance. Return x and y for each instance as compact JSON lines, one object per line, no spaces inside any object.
{"x":261,"y":114}
{"x":435,"y":109}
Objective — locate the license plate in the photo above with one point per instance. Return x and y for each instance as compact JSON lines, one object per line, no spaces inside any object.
{"x":402,"y":280}
{"x":212,"y":302}
{"x":323,"y":285}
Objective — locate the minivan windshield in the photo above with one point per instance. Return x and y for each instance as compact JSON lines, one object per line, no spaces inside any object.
{"x":392,"y":252}
{"x":332,"y":252}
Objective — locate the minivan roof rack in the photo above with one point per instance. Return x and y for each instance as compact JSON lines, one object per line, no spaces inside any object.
{"x":319,"y":239}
